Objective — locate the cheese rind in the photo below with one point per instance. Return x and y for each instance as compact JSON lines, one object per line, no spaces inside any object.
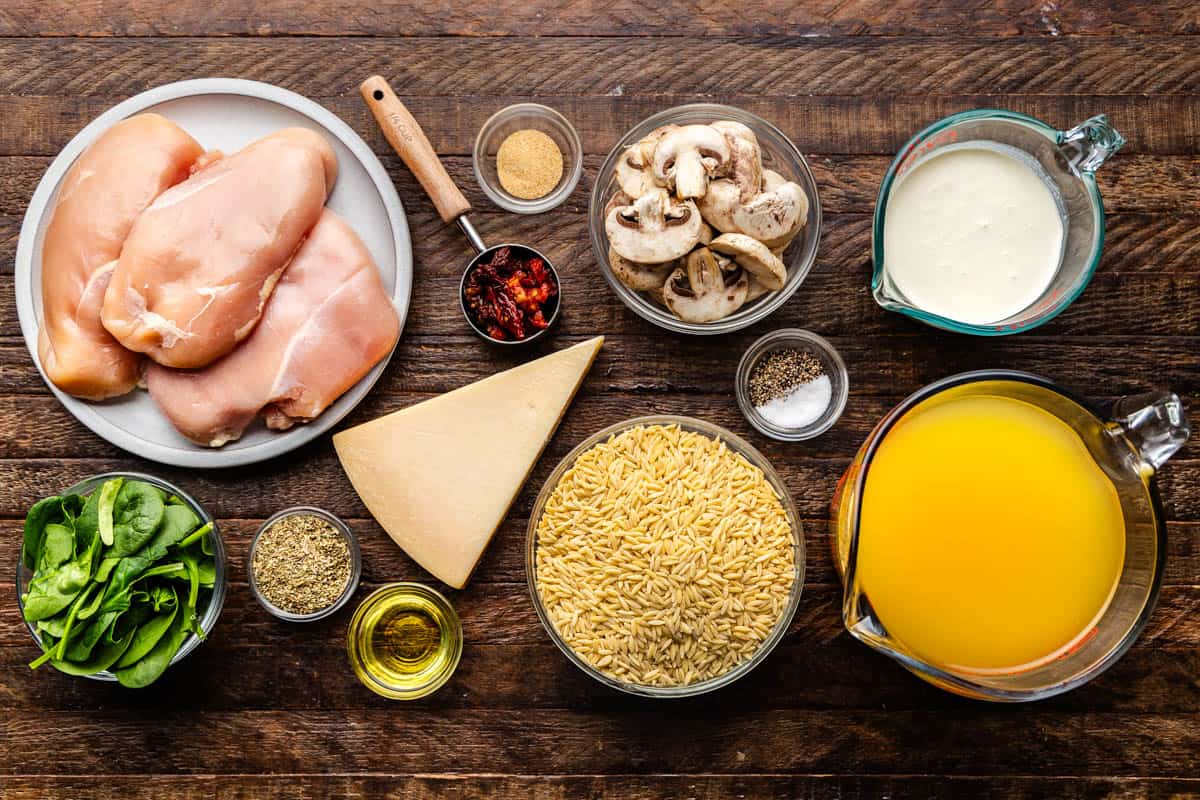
{"x":441,"y":475}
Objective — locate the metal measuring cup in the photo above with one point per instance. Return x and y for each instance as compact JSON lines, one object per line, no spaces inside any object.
{"x":404,"y":134}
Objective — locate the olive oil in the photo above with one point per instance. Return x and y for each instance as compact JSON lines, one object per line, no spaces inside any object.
{"x":405,"y":641}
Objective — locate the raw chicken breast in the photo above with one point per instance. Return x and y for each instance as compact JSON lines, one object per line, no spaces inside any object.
{"x":111,"y":182}
{"x":328,"y":322}
{"x":201,"y":261}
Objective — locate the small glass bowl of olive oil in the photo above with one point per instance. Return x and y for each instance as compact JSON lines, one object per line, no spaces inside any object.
{"x":405,"y":641}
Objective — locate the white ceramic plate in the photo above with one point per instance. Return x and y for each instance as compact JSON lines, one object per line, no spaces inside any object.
{"x":225,"y":114}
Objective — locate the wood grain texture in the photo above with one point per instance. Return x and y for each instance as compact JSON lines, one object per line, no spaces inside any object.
{"x":268,"y":709}
{"x":640,"y":741}
{"x":627,"y":787}
{"x":779,"y":67}
{"x":818,"y":124}
{"x":544,"y":18}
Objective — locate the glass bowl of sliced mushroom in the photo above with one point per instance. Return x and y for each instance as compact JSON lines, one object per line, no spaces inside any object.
{"x":705,"y":219}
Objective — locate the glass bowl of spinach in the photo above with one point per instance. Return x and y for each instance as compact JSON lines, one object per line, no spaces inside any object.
{"x":120,"y":576}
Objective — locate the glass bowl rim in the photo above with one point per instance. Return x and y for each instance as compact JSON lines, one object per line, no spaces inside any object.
{"x":572,"y":160}
{"x":355,"y":563}
{"x":769,"y":304}
{"x":738,"y":445}
{"x":774,"y":340}
{"x":366,"y":678}
{"x":216,"y":600}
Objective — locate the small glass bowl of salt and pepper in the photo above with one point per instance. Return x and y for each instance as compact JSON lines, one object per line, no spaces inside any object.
{"x":792,"y":385}
{"x":304,"y":564}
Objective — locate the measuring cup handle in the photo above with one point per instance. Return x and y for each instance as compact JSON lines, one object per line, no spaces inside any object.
{"x":1090,"y":143}
{"x":1155,"y":423}
{"x":404,"y":133}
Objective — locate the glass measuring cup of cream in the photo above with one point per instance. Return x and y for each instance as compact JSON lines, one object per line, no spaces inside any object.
{"x":1001,"y":539}
{"x":990,"y":222}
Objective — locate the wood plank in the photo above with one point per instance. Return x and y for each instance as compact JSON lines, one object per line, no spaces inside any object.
{"x":848,"y":184}
{"x":969,"y":741}
{"x":881,"y":375}
{"x":624,"y":17}
{"x":625,"y":787}
{"x":1160,"y":125}
{"x":440,"y":67}
{"x":842,"y":674}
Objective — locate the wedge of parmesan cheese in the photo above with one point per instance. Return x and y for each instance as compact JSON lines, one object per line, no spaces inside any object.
{"x":440,"y":476}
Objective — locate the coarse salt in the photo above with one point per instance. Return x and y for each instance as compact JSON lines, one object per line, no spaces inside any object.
{"x":801,"y":407}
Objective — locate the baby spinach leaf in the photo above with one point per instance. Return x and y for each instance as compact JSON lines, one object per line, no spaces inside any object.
{"x":88,"y":609}
{"x":43,"y":512}
{"x":87,"y":524}
{"x":151,"y":666}
{"x":107,"y":505}
{"x":56,"y":626}
{"x":119,"y":592}
{"x":178,"y":521}
{"x":55,"y":590}
{"x":57,"y":650}
{"x":137,"y":513}
{"x":162,"y":596}
{"x":198,"y":535}
{"x":150,"y":632}
{"x":101,"y":658}
{"x":72,"y":506}
{"x":81,"y":646}
{"x":58,"y":545}
{"x":104,"y":571}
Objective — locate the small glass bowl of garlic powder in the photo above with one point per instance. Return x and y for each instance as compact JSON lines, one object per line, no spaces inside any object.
{"x":792,"y":385}
{"x":527,"y":158}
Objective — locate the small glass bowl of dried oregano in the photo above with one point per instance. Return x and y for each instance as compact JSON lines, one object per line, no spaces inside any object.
{"x":304,"y":564}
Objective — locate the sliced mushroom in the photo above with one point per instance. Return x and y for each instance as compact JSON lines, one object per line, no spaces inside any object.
{"x":706,"y":234}
{"x":773,"y":216}
{"x":654,"y":229}
{"x":634,"y":181}
{"x":745,"y":157}
{"x":756,"y":290}
{"x":640,"y":277}
{"x":633,"y":167}
{"x":616,"y":201}
{"x":774,"y":183}
{"x":754,"y":257}
{"x":701,"y":292}
{"x":718,"y":204}
{"x":687,"y":157}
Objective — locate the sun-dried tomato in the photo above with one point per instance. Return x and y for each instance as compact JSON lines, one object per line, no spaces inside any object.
{"x":509,"y":296}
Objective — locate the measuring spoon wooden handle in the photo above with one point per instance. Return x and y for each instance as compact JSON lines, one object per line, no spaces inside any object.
{"x":408,"y":140}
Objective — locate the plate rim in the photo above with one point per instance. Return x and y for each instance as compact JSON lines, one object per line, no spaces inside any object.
{"x":82,"y":410}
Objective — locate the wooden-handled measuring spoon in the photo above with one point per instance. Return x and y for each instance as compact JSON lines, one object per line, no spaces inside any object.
{"x":404,"y":133}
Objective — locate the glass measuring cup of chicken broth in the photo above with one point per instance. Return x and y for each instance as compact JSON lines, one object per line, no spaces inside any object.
{"x":990,"y":222}
{"x":1001,"y":539}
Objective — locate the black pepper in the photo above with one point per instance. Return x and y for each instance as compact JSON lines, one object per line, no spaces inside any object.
{"x":777,"y":373}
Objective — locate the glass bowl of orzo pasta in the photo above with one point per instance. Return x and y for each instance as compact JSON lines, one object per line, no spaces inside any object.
{"x":665,"y":556}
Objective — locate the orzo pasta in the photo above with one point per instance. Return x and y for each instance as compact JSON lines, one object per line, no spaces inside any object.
{"x":664,"y":558}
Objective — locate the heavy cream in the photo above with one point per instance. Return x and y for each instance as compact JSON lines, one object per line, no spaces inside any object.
{"x":972,"y":234}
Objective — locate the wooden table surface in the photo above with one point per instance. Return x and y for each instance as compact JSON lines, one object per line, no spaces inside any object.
{"x":267,"y":708}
